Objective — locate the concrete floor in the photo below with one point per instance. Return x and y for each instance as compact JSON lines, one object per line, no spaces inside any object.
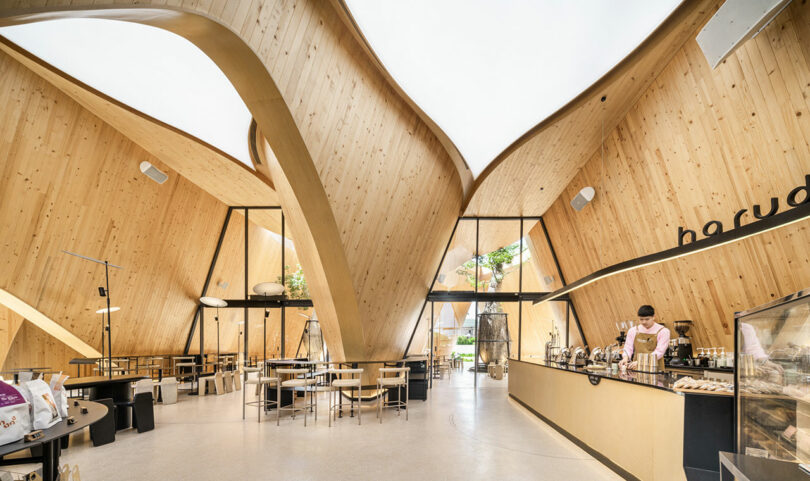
{"x":458,"y":434}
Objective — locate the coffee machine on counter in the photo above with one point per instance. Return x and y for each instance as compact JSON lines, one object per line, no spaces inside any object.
{"x":683,"y":346}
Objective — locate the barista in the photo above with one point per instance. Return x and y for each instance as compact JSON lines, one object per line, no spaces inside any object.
{"x":646,"y":337}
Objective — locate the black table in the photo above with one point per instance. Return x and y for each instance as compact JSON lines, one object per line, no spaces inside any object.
{"x":50,"y":439}
{"x":752,"y":468}
{"x":116,"y":388}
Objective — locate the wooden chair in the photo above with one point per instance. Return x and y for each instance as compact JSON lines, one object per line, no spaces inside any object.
{"x":216,"y":380}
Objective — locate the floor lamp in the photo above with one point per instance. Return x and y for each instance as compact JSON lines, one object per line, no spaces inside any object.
{"x":214,"y":302}
{"x":105,"y":327}
{"x":104,"y":293}
{"x":267,"y":289}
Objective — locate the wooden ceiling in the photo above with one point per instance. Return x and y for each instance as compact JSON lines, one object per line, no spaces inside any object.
{"x":69,"y":181}
{"x":699,"y":145}
{"x":530,"y":174}
{"x":371,"y":194}
{"x":192,"y":158}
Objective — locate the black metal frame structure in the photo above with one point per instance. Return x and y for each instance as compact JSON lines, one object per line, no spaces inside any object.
{"x":477,"y":296}
{"x":249,"y":301}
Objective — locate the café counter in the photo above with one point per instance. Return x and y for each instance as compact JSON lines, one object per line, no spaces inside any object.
{"x":635,"y":423}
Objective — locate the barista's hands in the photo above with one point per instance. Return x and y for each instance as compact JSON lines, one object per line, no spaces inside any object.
{"x":623,"y":363}
{"x":632,"y":366}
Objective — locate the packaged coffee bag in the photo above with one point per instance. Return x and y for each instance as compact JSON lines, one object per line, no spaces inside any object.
{"x":44,"y":410}
{"x":59,"y":394}
{"x":14,"y":417}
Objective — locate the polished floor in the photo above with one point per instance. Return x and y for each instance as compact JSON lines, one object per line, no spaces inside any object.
{"x":458,"y":434}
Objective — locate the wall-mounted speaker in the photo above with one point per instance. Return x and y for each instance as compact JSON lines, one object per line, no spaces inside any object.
{"x":153,"y":173}
{"x":735,"y":22}
{"x":583,"y":198}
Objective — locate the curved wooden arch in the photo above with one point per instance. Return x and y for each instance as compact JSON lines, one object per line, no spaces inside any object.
{"x":464,"y":172}
{"x":371,"y":183}
{"x":316,"y":230}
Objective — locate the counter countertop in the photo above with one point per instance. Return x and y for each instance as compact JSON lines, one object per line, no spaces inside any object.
{"x":658,"y":381}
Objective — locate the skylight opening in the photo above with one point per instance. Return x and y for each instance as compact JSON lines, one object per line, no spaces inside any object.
{"x":150,"y":69}
{"x":487,"y":72}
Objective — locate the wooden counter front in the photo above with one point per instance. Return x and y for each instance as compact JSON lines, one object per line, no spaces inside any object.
{"x":638,"y":429}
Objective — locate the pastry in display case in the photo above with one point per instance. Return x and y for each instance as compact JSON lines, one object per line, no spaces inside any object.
{"x":773,"y":379}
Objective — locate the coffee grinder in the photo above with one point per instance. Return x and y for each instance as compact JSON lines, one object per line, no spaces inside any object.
{"x":684,"y":351}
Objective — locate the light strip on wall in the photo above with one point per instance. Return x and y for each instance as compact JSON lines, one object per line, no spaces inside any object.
{"x":46,"y":324}
{"x":744,"y":232}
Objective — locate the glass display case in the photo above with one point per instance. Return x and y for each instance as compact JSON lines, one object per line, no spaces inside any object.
{"x":772,"y":388}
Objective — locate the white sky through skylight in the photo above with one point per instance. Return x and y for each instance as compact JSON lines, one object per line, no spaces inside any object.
{"x":154,"y":71}
{"x":488,"y":71}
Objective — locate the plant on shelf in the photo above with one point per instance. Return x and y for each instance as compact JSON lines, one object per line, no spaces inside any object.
{"x":296,"y":284}
{"x":465,"y":340}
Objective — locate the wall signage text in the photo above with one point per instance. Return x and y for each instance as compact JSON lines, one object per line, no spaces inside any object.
{"x":798,"y":196}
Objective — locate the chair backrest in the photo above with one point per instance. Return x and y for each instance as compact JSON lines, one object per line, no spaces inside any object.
{"x":168,"y":380}
{"x":399,"y":371}
{"x":284,"y":370}
{"x":144,"y":385}
{"x":347,"y":371}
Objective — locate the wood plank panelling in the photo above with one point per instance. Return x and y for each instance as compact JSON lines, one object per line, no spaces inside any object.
{"x":10,"y":323}
{"x":33,"y":347}
{"x":70,"y":181}
{"x":195,"y":160}
{"x":531,"y":173}
{"x":699,"y":145}
{"x":386,"y":194}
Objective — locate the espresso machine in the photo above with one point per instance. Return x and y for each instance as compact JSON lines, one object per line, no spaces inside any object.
{"x":683,"y":351}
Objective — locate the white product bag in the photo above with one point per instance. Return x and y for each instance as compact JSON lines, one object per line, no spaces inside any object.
{"x":14,"y":417}
{"x":44,"y":410}
{"x":59,"y":394}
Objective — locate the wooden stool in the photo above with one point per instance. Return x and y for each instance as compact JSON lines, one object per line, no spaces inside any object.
{"x":227,"y":381}
{"x":216,"y":380}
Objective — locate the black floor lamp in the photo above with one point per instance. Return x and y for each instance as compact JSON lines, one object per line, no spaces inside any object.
{"x":214,"y":302}
{"x":267,"y":289}
{"x":104,"y":292}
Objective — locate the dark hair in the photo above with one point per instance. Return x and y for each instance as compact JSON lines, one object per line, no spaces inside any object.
{"x":646,"y":311}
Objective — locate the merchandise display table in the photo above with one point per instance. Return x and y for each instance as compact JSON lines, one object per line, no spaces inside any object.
{"x":50,"y":439}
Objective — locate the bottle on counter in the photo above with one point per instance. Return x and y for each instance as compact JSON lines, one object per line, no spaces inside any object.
{"x":721,"y":358}
{"x":700,"y":358}
{"x":713,"y":358}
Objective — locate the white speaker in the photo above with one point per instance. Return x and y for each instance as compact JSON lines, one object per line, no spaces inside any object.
{"x":734,"y":23}
{"x":583,"y":197}
{"x":153,"y":173}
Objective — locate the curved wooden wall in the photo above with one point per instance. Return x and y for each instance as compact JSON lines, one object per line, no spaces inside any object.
{"x":192,"y":158}
{"x":70,"y":181}
{"x":699,"y":145}
{"x":368,"y":183}
{"x":531,"y":173}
